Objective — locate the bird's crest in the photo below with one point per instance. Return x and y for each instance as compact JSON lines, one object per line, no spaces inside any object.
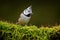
{"x":28,"y":10}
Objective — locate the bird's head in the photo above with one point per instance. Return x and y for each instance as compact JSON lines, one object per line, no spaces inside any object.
{"x":28,"y":11}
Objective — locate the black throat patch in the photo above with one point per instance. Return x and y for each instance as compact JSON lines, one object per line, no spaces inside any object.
{"x":28,"y":15}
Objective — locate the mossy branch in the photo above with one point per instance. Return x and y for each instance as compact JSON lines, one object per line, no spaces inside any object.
{"x":10,"y":31}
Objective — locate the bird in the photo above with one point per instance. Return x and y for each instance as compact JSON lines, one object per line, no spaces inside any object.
{"x":25,"y":16}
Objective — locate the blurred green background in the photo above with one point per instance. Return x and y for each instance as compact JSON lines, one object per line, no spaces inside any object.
{"x":44,"y":11}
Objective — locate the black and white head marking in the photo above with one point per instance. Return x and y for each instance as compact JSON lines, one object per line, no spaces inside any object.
{"x":28,"y":15}
{"x":27,"y":12}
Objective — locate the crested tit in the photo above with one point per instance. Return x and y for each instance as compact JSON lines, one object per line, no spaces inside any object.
{"x":25,"y":16}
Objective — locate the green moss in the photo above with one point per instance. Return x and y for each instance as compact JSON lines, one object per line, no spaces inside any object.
{"x":10,"y":31}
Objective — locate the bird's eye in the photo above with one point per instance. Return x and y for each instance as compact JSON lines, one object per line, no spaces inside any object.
{"x":28,"y":11}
